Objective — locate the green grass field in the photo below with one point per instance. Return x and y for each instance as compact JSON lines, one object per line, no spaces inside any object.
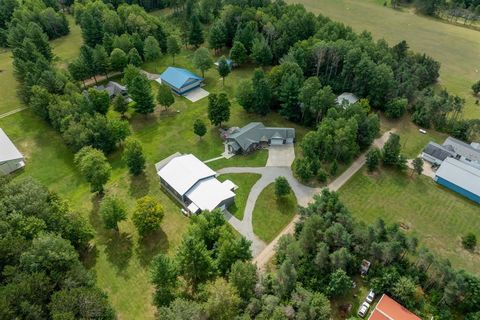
{"x":245,"y":182}
{"x":437,"y":216}
{"x":457,"y":48}
{"x":271,"y":215}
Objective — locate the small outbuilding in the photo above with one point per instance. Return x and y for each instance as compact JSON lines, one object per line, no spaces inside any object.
{"x":194,"y":184}
{"x":10,"y":157}
{"x":346,"y":99}
{"x":181,"y":81}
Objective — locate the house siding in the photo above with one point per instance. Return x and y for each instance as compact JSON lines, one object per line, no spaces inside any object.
{"x":454,"y":187}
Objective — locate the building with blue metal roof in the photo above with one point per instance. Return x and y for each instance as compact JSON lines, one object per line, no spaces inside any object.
{"x":459,"y":177}
{"x":180,"y":80}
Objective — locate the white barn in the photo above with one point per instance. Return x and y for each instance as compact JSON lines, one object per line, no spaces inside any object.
{"x":194,"y":184}
{"x":10,"y":158}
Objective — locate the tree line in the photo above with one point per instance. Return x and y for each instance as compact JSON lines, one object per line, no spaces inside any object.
{"x":41,"y":240}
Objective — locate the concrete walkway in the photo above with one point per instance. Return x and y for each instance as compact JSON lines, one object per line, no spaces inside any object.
{"x":9,"y":113}
{"x":263,"y":257}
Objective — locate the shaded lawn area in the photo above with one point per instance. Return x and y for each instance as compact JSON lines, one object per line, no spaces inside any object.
{"x":255,"y":159}
{"x":65,"y":48}
{"x":455,"y":47}
{"x":271,"y":215}
{"x":436,"y":215}
{"x":245,"y":182}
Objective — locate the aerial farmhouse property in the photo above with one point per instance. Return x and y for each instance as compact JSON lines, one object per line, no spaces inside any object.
{"x":194,"y":184}
{"x":180,"y":80}
{"x":255,"y":135}
{"x":10,"y":158}
{"x":459,"y":166}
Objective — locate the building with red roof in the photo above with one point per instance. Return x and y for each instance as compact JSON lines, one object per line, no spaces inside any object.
{"x":389,"y":309}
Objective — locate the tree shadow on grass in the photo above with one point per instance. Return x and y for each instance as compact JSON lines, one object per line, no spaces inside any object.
{"x":286,"y":205}
{"x":139,"y":186}
{"x":119,"y":250}
{"x":89,"y":257}
{"x":151,"y":245}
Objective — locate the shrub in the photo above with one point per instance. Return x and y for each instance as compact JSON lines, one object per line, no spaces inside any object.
{"x":469,"y":241}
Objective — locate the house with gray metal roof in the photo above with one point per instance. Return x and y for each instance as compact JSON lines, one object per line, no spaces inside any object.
{"x":113,"y":89}
{"x":255,"y":135}
{"x":346,"y":99}
{"x":436,"y":154}
{"x":10,"y":158}
{"x":459,"y":177}
{"x":466,"y":152}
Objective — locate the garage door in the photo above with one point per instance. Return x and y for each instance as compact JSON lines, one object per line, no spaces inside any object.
{"x":276,"y":142}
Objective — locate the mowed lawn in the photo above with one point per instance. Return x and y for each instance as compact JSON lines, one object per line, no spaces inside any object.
{"x":437,"y":216}
{"x":245,"y":182}
{"x":65,"y":48}
{"x":455,"y":47}
{"x":121,"y":261}
{"x":272,"y":215}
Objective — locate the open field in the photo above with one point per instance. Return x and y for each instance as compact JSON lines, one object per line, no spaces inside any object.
{"x":271,"y":215}
{"x":437,"y":216}
{"x":245,"y":182}
{"x":121,"y":261}
{"x":65,"y":48}
{"x":457,"y":48}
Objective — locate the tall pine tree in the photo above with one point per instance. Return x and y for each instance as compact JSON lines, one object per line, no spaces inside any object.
{"x":140,"y":91}
{"x":195,"y":35}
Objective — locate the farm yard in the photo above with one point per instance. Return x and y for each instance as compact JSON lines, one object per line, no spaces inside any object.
{"x":456,"y":48}
{"x":437,"y":216}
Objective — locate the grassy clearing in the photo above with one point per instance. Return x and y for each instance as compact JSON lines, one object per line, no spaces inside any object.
{"x":437,"y":216}
{"x":65,"y":48}
{"x":457,"y":48}
{"x":245,"y":182}
{"x":412,"y":140}
{"x":271,"y":215}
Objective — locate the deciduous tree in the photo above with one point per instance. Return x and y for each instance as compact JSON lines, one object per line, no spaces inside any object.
{"x":202,"y":60}
{"x":133,"y":156}
{"x":165,"y":97}
{"x":238,"y":53}
{"x":173,"y":48}
{"x":112,"y":211}
{"x":223,"y":68}
{"x":282,"y":187}
{"x":218,"y":108}
{"x":140,"y":91}
{"x":199,"y":128}
{"x":147,"y":216}
{"x":94,"y":166}
{"x":164,"y":275}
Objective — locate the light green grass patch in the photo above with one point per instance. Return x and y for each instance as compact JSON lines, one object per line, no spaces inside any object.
{"x":437,"y":216}
{"x":245,"y":182}
{"x":272,"y":215}
{"x":455,"y":47}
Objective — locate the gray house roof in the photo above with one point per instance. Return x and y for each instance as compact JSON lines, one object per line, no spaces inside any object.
{"x":346,"y":97}
{"x":437,"y":151}
{"x":255,"y":132}
{"x":113,"y":88}
{"x":463,"y":149}
{"x":8,"y":151}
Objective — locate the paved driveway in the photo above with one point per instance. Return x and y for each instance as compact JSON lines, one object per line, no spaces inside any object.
{"x":196,"y":94}
{"x":281,"y":156}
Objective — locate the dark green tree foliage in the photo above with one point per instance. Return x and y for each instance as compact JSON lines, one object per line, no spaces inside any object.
{"x":202,"y":60}
{"x":218,"y":108}
{"x":118,"y":59}
{"x":164,"y":275}
{"x":39,"y":261}
{"x":151,"y":49}
{"x":181,"y":309}
{"x":476,"y":87}
{"x":199,"y":128}
{"x":244,"y":95}
{"x":217,"y":36}
{"x":261,"y":52}
{"x":396,"y":108}
{"x":289,"y":91}
{"x":120,"y":104}
{"x":133,"y":156}
{"x":418,"y":165}
{"x":373,"y":158}
{"x":112,"y":211}
{"x":81,"y":303}
{"x":428,"y":7}
{"x":94,"y":166}
{"x":173,"y":48}
{"x":469,"y":241}
{"x":238,"y":53}
{"x":261,"y":93}
{"x":391,"y":150}
{"x":134,"y":58}
{"x":165,"y":97}
{"x":243,"y":277}
{"x":340,"y":283}
{"x":195,"y":34}
{"x":99,"y":99}
{"x":245,"y":34}
{"x":282,"y":187}
{"x":92,"y":26}
{"x":223,"y":68}
{"x":140,"y":91}
{"x":101,"y":60}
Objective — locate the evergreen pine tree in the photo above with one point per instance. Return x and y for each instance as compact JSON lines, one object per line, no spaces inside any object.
{"x":141,"y":92}
{"x":195,"y":35}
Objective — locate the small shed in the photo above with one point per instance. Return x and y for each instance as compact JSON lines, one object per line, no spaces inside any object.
{"x":10,"y":157}
{"x":180,"y":80}
{"x":346,"y":99}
